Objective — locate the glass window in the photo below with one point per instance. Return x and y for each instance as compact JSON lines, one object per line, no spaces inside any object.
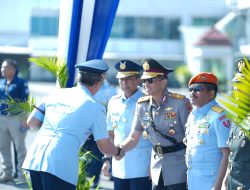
{"x":145,"y":28}
{"x":173,"y":29}
{"x":44,"y":25}
{"x":202,"y":21}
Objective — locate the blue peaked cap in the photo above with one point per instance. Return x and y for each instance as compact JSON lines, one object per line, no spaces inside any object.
{"x":94,"y":65}
{"x":127,"y":68}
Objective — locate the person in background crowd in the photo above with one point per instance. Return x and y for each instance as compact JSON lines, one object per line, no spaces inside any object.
{"x":161,"y":117}
{"x":238,"y":170}
{"x":206,"y":135}
{"x":12,"y":128}
{"x":67,"y":118}
{"x":132,"y":172}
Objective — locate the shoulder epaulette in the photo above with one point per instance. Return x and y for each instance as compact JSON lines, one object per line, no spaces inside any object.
{"x":176,"y":95}
{"x":217,"y":109}
{"x":144,"y":99}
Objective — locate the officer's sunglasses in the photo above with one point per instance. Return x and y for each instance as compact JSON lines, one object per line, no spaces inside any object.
{"x":195,"y":88}
{"x":152,"y":80}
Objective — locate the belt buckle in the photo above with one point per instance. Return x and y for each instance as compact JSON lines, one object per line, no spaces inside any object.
{"x":159,"y":150}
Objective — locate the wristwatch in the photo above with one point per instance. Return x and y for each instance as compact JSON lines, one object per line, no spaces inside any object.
{"x":104,"y":159}
{"x":119,"y":151}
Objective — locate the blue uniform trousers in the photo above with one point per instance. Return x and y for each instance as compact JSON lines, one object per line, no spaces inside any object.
{"x":132,"y":183}
{"x":47,"y":181}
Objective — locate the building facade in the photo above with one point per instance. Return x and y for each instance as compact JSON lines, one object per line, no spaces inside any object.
{"x":163,"y":29}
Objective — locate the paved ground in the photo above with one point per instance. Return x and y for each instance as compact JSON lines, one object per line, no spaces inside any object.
{"x":38,"y":90}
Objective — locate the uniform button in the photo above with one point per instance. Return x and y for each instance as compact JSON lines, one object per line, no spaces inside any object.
{"x":212,"y":172}
{"x":189,"y":167}
{"x":124,"y":120}
{"x":201,"y":141}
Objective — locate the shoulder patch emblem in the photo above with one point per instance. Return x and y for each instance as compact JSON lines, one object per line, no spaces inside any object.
{"x":176,"y":95}
{"x":226,"y":123}
{"x":144,"y":99}
{"x":217,"y":109}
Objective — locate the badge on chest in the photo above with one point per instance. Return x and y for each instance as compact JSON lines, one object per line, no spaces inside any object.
{"x":170,"y":115}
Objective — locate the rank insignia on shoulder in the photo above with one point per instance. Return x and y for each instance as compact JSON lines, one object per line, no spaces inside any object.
{"x":144,"y":99}
{"x":217,"y":109}
{"x":176,"y":95}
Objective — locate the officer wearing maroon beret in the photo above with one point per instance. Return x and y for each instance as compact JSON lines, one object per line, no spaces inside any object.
{"x":161,"y":117}
{"x":207,"y":131}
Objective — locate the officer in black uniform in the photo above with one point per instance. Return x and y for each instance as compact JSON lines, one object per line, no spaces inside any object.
{"x":238,"y":173}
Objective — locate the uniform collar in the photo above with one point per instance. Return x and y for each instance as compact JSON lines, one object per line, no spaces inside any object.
{"x":205,"y":108}
{"x":163,"y":100}
{"x":135,"y":96}
{"x":85,"y":89}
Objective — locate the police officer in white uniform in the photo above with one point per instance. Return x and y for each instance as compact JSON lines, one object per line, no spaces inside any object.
{"x":67,"y":118}
{"x":132,"y":172}
{"x":206,"y":135}
{"x":161,"y":117}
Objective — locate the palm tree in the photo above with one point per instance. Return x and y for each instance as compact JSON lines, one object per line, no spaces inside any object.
{"x":237,"y":104}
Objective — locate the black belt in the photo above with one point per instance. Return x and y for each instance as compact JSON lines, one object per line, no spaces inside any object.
{"x":160,"y":150}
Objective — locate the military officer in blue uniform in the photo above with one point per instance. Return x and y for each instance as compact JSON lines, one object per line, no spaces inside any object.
{"x":131,"y":172}
{"x":161,"y":117}
{"x":206,"y":135}
{"x":238,"y":171}
{"x":67,"y":118}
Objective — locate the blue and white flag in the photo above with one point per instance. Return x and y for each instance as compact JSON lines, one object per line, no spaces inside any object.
{"x":84,"y":30}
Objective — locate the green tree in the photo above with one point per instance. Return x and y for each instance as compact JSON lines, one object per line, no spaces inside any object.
{"x":183,"y":75}
{"x":237,"y":103}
